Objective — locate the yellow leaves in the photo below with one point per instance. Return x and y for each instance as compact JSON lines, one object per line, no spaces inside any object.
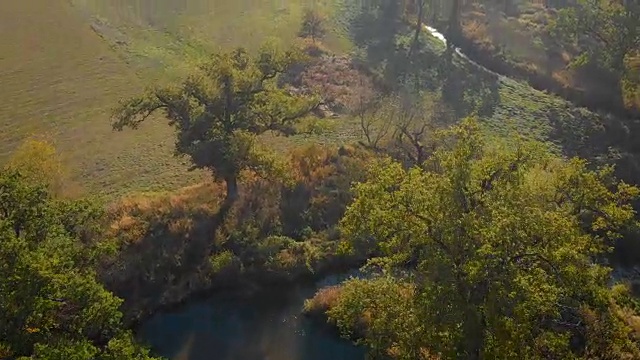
{"x":32,"y":330}
{"x":269,"y":164}
{"x":38,"y":161}
{"x":626,"y":193}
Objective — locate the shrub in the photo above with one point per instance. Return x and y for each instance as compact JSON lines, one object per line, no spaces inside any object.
{"x":222,"y":261}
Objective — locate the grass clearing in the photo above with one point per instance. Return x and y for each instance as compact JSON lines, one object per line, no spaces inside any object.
{"x":507,"y":107}
{"x":172,"y":35}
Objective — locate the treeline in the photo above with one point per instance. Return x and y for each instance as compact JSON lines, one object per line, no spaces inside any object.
{"x":586,"y":51}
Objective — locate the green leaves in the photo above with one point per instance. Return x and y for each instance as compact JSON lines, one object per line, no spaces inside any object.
{"x":382,"y":310}
{"x":51,"y":304}
{"x":233,"y":93}
{"x":607,"y":31}
{"x":505,"y":236}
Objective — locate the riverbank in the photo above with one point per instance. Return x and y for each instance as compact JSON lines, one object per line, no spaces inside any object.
{"x":521,"y":43}
{"x":493,"y":61}
{"x":246,"y":287}
{"x":497,"y":63}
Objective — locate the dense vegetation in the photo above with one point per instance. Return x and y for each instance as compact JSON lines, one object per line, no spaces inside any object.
{"x":499,"y":245}
{"x":84,"y":55}
{"x":52,"y":305}
{"x":219,"y":112}
{"x":487,"y":209}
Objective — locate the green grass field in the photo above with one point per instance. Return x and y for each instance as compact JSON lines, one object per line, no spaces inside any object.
{"x":59,"y":79}
{"x":506,"y":107}
{"x":65,"y":63}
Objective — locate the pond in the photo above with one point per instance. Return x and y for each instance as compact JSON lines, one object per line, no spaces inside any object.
{"x":265,"y":327}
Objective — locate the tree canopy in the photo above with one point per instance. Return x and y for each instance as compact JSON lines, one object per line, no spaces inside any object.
{"x":503,"y":247}
{"x":51,"y":303}
{"x":38,"y":161}
{"x":221,"y":107}
{"x":608,"y":33}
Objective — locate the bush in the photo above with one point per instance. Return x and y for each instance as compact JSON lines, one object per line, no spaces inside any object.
{"x":325,"y":299}
{"x":222,"y":261}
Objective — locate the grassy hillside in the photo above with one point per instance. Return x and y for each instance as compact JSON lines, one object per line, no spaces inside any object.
{"x":506,"y":107}
{"x":65,"y":63}
{"x":60,"y":79}
{"x":171,"y":33}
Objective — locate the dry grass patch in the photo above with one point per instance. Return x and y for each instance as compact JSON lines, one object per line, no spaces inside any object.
{"x":323,"y":300}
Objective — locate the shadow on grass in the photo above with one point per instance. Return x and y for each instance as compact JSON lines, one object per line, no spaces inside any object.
{"x":468,"y":89}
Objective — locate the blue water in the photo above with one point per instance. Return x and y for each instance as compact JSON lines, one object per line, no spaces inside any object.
{"x":266,"y":327}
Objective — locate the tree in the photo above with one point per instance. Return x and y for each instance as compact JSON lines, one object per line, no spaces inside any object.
{"x":419,"y":10}
{"x":394,"y":323}
{"x":607,"y":32}
{"x":38,"y":160}
{"x":376,"y":119}
{"x":220,"y":109}
{"x":417,"y":118}
{"x":313,"y":25}
{"x":453,"y":28}
{"x":51,"y":303}
{"x":502,"y":244}
{"x":403,"y":125}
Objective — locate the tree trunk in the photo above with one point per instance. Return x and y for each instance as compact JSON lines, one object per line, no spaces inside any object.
{"x":232,"y":189}
{"x":453,"y":32}
{"x":419,"y":23}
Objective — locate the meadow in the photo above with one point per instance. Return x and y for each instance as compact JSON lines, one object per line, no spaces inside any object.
{"x":66,"y":63}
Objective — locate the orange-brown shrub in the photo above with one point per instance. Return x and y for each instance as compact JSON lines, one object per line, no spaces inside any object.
{"x":170,"y":245}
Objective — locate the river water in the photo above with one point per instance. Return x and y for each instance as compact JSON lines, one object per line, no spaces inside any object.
{"x":265,"y":327}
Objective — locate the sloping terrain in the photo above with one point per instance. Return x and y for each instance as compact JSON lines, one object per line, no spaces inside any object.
{"x":521,"y":43}
{"x":65,"y":63}
{"x":60,"y":79}
{"x":167,"y":32}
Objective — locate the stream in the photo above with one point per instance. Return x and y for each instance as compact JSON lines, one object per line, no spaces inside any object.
{"x":438,"y":35}
{"x":265,"y":327}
